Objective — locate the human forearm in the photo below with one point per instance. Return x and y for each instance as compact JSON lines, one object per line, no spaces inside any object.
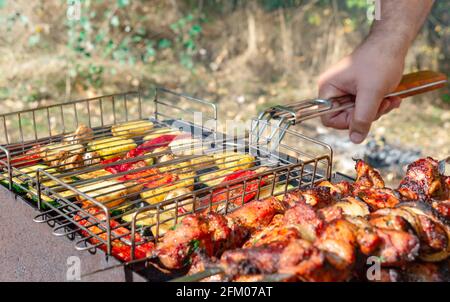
{"x":374,"y":68}
{"x":400,"y":22}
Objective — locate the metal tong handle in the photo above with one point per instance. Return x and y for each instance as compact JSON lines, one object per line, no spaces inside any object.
{"x":411,"y":84}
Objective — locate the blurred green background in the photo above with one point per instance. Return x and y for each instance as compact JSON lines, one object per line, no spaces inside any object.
{"x":245,"y":55}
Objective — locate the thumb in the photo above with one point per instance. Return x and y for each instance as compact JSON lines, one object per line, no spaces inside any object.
{"x":366,"y":108}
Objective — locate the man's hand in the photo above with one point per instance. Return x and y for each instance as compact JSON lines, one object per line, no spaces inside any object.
{"x":358,"y":75}
{"x":375,"y":68}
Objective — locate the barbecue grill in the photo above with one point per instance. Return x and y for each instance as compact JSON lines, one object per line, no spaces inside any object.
{"x":105,"y":195}
{"x":277,"y":167}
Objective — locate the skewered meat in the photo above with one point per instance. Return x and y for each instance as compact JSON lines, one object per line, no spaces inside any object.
{"x":256,"y":214}
{"x":340,"y":189}
{"x":338,"y":241}
{"x":319,"y":197}
{"x":348,"y":206}
{"x":295,"y":257}
{"x":305,"y":220}
{"x":341,"y":231}
{"x":367,"y":177}
{"x":213,"y":233}
{"x":378,"y":198}
{"x":443,"y":207}
{"x":422,"y":180}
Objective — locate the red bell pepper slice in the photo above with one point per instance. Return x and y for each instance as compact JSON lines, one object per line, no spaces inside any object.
{"x":234,"y":193}
{"x":119,"y":249}
{"x":30,"y":158}
{"x":157,"y":142}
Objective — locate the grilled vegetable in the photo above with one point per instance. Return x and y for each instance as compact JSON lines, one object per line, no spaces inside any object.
{"x":48,"y":201}
{"x":180,"y":167}
{"x":94,"y":174}
{"x":277,"y":191}
{"x":185,"y":146}
{"x":162,"y":184}
{"x":213,"y":178}
{"x":185,"y":204}
{"x":119,"y":249}
{"x":31,"y":157}
{"x":131,"y":129}
{"x":108,"y":192}
{"x":203,"y":162}
{"x":238,"y":193}
{"x":21,"y":181}
{"x":149,"y":218}
{"x":160,"y":132}
{"x":112,"y":146}
{"x":234,"y":161}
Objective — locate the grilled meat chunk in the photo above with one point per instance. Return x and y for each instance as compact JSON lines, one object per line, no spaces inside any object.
{"x":422,"y":180}
{"x":257,"y":214}
{"x":367,"y":177}
{"x":378,"y":198}
{"x":297,"y":257}
{"x":443,"y":208}
{"x":177,"y":245}
{"x":338,"y":241}
{"x":317,"y":197}
{"x":213,"y":233}
{"x":340,"y":189}
{"x":432,"y":235}
{"x":305,"y":220}
{"x":392,"y":247}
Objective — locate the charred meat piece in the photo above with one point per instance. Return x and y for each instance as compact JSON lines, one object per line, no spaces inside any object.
{"x":331,"y":213}
{"x":305,"y":220}
{"x":257,"y":214}
{"x":317,"y":197}
{"x":296,"y":257}
{"x":367,"y":177}
{"x":348,"y":206}
{"x":424,"y":272}
{"x":443,"y":208}
{"x":392,"y":247}
{"x":338,"y":241}
{"x":427,"y":224}
{"x":432,"y":235}
{"x":414,"y":272}
{"x":378,"y":198}
{"x":392,"y":222}
{"x":340,"y":189}
{"x":422,"y":180}
{"x":213,"y":233}
{"x":279,"y":234}
{"x":178,"y":244}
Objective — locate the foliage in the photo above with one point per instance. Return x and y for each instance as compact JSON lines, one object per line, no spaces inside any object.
{"x":118,"y":34}
{"x":110,"y":34}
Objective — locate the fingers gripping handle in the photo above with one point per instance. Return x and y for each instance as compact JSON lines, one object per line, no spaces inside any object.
{"x":411,"y":84}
